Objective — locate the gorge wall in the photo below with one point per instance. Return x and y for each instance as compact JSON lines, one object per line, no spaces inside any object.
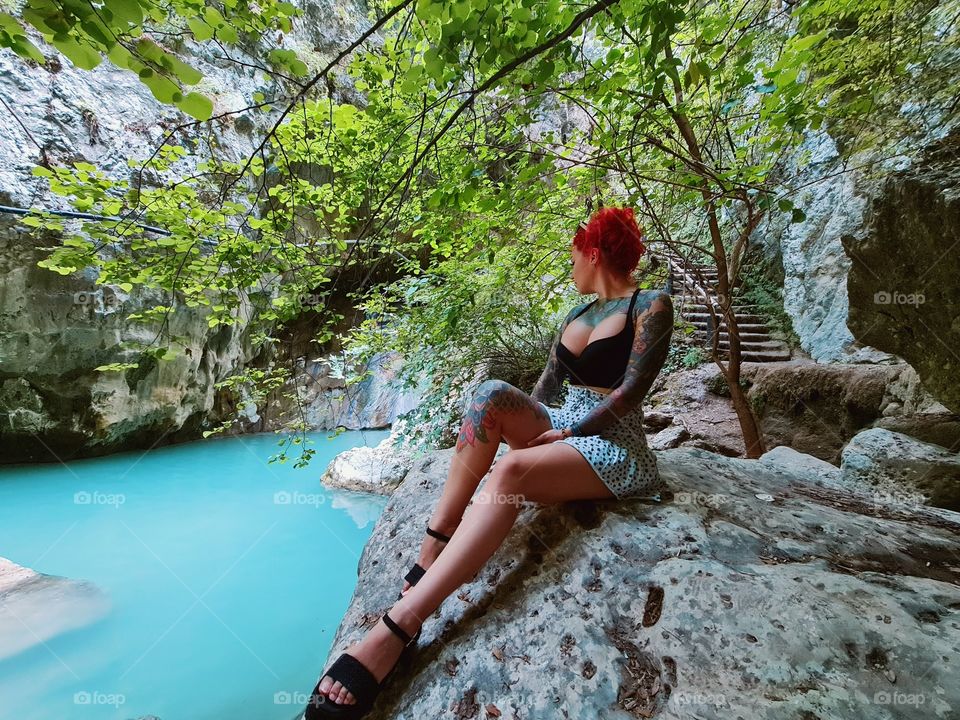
{"x":55,"y":330}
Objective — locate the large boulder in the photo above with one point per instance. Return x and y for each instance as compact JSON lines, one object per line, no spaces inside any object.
{"x":764,"y":589}
{"x":376,"y":470}
{"x":903,"y":292}
{"x":817,"y":407}
{"x":905,"y":469}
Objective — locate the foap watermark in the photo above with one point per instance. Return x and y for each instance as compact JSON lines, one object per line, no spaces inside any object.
{"x":499,"y":498}
{"x":95,"y":697}
{"x":699,"y":498}
{"x":699,"y":698}
{"x":97,"y":299}
{"x":283,"y":697}
{"x":310,"y":299}
{"x":902,"y":498}
{"x":85,"y":497}
{"x":892,"y":297}
{"x":285,"y":497}
{"x":899,"y":698}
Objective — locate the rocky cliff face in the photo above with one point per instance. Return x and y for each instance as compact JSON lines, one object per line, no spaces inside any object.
{"x":55,"y":330}
{"x":815,"y":266}
{"x":870,"y":274}
{"x":763,"y":588}
{"x":903,"y":288}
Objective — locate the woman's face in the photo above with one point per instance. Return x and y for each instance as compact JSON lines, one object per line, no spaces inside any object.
{"x":581,"y":269}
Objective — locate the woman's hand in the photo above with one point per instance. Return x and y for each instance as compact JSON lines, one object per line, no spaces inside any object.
{"x":549,"y":436}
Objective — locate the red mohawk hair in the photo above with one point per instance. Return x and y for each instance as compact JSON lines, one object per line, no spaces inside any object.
{"x":614,"y":232}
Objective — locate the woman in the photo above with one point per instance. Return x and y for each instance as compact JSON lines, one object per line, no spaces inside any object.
{"x":593,"y":447}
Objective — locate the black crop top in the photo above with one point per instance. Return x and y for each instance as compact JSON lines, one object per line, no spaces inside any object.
{"x":603,"y":362}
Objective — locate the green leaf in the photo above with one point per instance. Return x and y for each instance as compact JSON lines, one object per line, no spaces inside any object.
{"x":788,"y":76}
{"x":201,"y":30}
{"x":162,"y":88}
{"x":196,"y":105}
{"x":798,"y":216}
{"x":26,"y":49}
{"x":83,"y":56}
{"x":125,"y":11}
{"x":213,"y":17}
{"x":18,"y":39}
{"x":434,"y":64}
{"x":185,"y":73}
{"x":94,"y":28}
{"x":47,"y":19}
{"x":121,"y":57}
{"x":10,"y":24}
{"x":805,"y":43}
{"x":227,"y":33}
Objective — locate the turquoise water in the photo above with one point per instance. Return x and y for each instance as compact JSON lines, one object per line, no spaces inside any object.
{"x":226,"y":577}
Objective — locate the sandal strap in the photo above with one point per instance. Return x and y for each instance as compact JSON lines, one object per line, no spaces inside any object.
{"x":397,"y":630}
{"x":414,"y":574}
{"x":351,"y":673}
{"x":438,"y":535}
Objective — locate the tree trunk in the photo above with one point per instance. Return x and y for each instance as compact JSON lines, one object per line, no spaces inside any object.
{"x":749,"y":427}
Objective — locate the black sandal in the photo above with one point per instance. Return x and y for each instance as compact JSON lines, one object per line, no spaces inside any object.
{"x":416,"y":572}
{"x":352,"y":674}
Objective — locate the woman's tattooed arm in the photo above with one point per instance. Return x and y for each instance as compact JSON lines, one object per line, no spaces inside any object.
{"x":651,"y":342}
{"x":547,"y":388}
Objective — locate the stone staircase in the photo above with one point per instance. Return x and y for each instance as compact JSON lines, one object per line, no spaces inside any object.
{"x":691,"y":297}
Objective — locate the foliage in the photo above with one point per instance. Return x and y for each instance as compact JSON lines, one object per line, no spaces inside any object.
{"x":759,"y":289}
{"x":447,"y":175}
{"x":718,"y":385}
{"x":694,"y":357}
{"x":686,"y":351}
{"x":124,"y":32}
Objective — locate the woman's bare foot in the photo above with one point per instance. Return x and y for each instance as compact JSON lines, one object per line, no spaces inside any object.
{"x":378,"y":651}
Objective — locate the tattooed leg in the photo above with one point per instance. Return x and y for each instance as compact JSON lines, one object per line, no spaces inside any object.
{"x":495,"y":411}
{"x":498,"y":411}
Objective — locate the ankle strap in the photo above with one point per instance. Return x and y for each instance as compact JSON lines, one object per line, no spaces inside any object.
{"x":397,"y":630}
{"x":438,"y":535}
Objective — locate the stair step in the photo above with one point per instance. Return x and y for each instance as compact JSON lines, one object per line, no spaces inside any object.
{"x":744,"y":328}
{"x":742,"y":318}
{"x":701,"y":307}
{"x":744,"y":336}
{"x":767,"y":346}
{"x":760,"y":356}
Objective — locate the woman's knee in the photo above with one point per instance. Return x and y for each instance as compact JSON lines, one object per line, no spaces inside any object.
{"x":493,"y":392}
{"x":507,"y":476}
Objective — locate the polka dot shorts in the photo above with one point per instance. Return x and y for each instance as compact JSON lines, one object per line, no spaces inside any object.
{"x":619,"y":454}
